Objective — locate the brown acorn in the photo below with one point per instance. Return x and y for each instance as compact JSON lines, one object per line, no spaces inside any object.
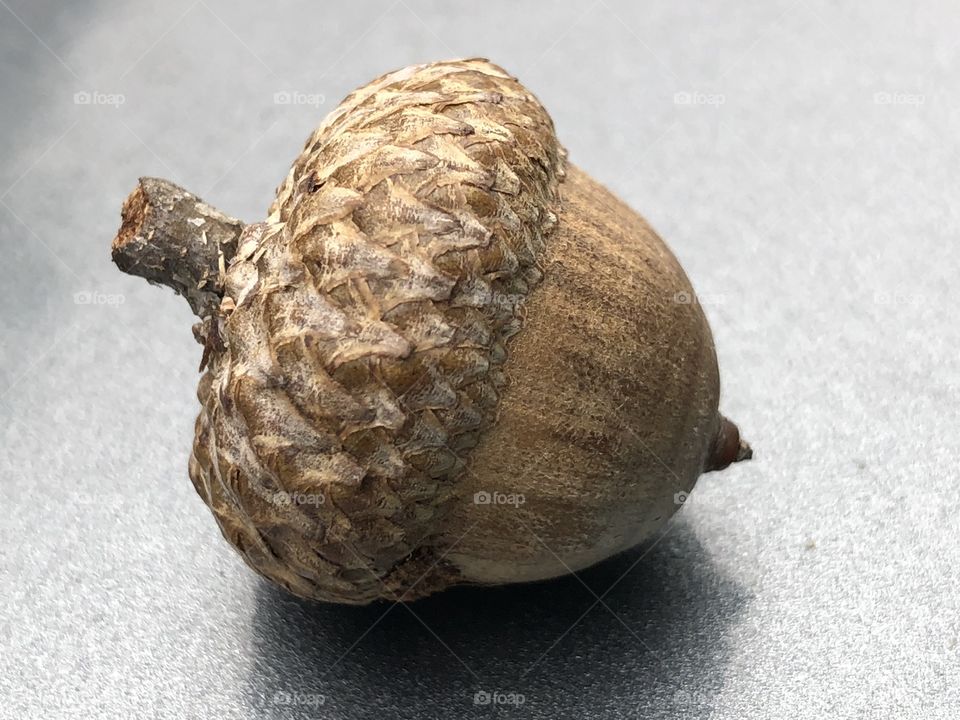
{"x":448,"y":356}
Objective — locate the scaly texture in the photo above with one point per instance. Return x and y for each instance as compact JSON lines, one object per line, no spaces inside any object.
{"x":365,"y":326}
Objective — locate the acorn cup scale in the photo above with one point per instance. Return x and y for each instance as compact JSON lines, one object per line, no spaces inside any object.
{"x":446,"y":357}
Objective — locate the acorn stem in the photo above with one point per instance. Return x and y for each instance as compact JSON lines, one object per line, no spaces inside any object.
{"x":728,"y":447}
{"x":171,"y":237}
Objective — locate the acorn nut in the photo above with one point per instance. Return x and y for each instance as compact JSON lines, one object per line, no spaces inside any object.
{"x":447,"y":356}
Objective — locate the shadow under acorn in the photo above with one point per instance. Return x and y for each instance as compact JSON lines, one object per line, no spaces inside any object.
{"x":533,"y":650}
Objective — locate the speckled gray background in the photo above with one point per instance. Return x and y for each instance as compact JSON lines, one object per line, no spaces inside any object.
{"x":802,"y":160}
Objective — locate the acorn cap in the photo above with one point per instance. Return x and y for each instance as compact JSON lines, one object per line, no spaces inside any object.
{"x":365,"y":325}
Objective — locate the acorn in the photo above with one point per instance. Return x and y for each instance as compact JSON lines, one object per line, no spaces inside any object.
{"x":447,"y":356}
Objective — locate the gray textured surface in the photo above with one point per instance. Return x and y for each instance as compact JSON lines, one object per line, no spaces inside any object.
{"x":815,"y":210}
